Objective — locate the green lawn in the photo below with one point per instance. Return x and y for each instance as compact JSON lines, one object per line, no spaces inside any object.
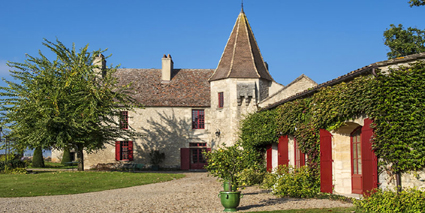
{"x":60,"y":183}
{"x":332,"y":210}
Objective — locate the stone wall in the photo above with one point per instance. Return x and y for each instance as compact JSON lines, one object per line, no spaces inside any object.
{"x":166,"y":129}
{"x":300,"y":84}
{"x":226,"y":120}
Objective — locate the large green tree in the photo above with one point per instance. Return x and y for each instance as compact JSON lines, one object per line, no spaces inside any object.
{"x":416,"y":3}
{"x":403,"y":42}
{"x":69,"y":102}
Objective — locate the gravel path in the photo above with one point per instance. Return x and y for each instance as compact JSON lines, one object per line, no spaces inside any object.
{"x":195,"y":193}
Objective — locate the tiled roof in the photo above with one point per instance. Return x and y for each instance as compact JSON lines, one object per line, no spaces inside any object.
{"x":347,"y":77}
{"x":241,"y":57}
{"x":188,"y":87}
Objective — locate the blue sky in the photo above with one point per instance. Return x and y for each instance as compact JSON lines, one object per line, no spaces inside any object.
{"x":321,"y":39}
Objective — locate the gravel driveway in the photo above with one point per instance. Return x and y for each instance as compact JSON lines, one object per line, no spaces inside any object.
{"x":195,"y":193}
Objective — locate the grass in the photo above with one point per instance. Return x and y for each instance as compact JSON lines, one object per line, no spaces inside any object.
{"x":60,"y":183}
{"x":327,"y":210}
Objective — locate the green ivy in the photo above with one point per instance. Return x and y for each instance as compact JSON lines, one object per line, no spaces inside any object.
{"x":259,"y":129}
{"x":395,"y":102}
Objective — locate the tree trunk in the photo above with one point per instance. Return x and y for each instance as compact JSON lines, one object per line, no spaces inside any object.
{"x":80,"y":157}
{"x":398,"y":182}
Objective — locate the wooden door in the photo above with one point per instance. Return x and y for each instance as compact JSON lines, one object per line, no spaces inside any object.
{"x":269,"y":158}
{"x":197,"y":160}
{"x":356,"y":162}
{"x":282,"y":150}
{"x":184,"y":158}
{"x":325,"y":161}
{"x":369,"y":160}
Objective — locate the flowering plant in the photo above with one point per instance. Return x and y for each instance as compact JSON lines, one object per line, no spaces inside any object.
{"x":228,"y":164}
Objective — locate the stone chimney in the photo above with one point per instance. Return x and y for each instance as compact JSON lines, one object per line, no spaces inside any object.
{"x":100,"y":61}
{"x":167,"y":68}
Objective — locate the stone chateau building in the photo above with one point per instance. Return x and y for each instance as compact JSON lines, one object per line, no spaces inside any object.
{"x":191,"y":110}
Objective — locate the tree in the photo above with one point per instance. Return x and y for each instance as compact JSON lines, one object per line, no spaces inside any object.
{"x":68,"y":102}
{"x":416,"y":3}
{"x":404,"y":42}
{"x":38,"y":160}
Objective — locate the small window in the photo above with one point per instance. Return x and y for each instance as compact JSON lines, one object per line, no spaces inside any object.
{"x":124,"y":120}
{"x":198,"y":119}
{"x":124,"y":150}
{"x":220,"y":100}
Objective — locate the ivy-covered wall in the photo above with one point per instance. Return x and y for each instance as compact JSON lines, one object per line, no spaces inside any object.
{"x":395,"y":101}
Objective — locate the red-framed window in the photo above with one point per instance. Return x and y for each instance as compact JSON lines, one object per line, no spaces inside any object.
{"x":220,"y":100}
{"x":198,"y":119}
{"x":356,"y":152}
{"x":299,"y":156}
{"x":124,"y":120}
{"x":124,"y":150}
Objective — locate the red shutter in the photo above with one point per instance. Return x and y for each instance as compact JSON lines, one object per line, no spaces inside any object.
{"x":369,"y":160}
{"x":130,"y":150}
{"x":117,"y":150}
{"x":325,"y":161}
{"x":269,"y":158}
{"x":184,"y":158}
{"x":282,"y":150}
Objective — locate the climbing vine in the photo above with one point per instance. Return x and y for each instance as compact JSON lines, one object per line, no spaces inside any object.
{"x":395,"y":102}
{"x":399,"y":121}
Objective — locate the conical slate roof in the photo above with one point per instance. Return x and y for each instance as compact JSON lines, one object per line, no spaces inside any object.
{"x":241,"y":57}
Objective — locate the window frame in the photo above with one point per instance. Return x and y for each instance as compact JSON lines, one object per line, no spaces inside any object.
{"x":124,"y":150}
{"x":124,"y":120}
{"x":198,"y":119}
{"x":220,"y":100}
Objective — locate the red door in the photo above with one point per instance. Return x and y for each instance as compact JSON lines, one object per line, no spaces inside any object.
{"x":197,"y":160}
{"x":184,"y":158}
{"x":356,"y":162}
{"x":325,"y":161}
{"x":369,"y":160}
{"x":269,"y":158}
{"x":282,"y":150}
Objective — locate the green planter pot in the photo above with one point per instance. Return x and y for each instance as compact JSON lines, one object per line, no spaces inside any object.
{"x":230,"y":200}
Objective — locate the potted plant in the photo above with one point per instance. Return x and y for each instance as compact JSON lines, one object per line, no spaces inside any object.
{"x":226,"y":163}
{"x":156,"y":159}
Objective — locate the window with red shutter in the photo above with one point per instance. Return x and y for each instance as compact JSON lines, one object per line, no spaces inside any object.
{"x":124,"y":150}
{"x":198,"y":119}
{"x":220,"y":100}
{"x":124,"y":120}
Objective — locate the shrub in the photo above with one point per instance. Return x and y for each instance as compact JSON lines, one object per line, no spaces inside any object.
{"x":66,"y":157}
{"x":37,"y":160}
{"x":251,"y":176}
{"x":156,"y":157}
{"x":410,"y":200}
{"x":16,"y":171}
{"x":293,"y":182}
{"x":11,"y":164}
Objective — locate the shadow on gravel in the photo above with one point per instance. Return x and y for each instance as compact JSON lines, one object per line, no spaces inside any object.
{"x":256,"y":193}
{"x":269,"y":202}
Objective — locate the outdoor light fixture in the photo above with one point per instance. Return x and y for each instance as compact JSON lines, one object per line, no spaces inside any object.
{"x":217,"y":133}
